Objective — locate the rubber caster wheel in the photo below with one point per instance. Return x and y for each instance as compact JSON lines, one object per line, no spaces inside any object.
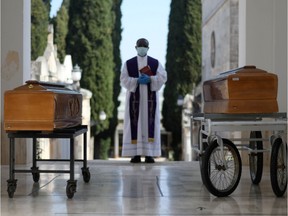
{"x":71,"y":189}
{"x":12,"y":184}
{"x":204,"y":146}
{"x":278,"y":167}
{"x":256,"y":159}
{"x":86,"y":174}
{"x":36,"y":177}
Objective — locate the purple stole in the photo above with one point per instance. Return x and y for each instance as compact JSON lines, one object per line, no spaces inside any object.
{"x":132,"y":67}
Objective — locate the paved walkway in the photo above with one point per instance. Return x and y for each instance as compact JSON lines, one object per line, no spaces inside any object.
{"x":120,"y":188}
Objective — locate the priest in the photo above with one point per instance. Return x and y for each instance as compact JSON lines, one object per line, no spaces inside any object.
{"x":142,"y":76}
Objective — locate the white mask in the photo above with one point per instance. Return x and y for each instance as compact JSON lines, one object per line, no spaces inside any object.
{"x":142,"y":51}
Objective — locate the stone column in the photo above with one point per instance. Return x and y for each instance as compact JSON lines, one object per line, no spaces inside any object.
{"x":263,"y":43}
{"x":263,"y":40}
{"x":15,"y":63}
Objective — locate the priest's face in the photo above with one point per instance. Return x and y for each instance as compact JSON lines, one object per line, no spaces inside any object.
{"x":142,"y":46}
{"x":142,"y":42}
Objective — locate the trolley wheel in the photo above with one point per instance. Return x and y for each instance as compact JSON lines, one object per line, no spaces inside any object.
{"x":204,"y":136}
{"x":36,"y":177}
{"x":201,"y":158}
{"x":278,"y":169}
{"x":86,"y":174}
{"x":221,"y":177}
{"x":12,"y":185}
{"x":205,"y":144}
{"x":11,"y":190}
{"x":71,"y":189}
{"x":256,"y":159}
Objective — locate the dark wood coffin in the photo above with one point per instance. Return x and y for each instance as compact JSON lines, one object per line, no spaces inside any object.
{"x":41,"y":106}
{"x":242,"y":90}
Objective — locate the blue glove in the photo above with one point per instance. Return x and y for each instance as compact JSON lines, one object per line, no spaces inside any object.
{"x":141,"y":80}
{"x":144,"y":79}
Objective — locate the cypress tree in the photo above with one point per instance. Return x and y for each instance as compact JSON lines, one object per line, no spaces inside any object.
{"x":183,"y":63}
{"x":39,"y":28}
{"x":60,"y":23}
{"x":89,"y":41}
{"x":47,"y":4}
{"x":116,"y":38}
{"x":107,"y":136}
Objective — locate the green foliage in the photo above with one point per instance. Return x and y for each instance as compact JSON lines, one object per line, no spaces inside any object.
{"x":104,"y":148}
{"x":183,"y":62}
{"x":66,"y":3}
{"x":47,"y":4}
{"x":39,"y":28}
{"x":89,"y":41}
{"x":60,"y":23}
{"x":116,"y":38}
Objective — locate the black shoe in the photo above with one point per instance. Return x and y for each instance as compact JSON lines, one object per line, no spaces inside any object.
{"x":149,"y":159}
{"x":136,"y":159}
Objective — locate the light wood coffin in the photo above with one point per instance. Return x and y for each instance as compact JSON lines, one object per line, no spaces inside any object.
{"x":41,"y":106}
{"x":243,"y":90}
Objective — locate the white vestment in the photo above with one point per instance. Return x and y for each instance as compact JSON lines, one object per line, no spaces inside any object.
{"x":143,"y":146}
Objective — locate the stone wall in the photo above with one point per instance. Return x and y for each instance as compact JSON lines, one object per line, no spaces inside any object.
{"x":221,"y":19}
{"x":246,"y":32}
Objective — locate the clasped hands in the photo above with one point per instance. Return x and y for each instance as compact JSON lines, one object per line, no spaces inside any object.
{"x":144,"y":79}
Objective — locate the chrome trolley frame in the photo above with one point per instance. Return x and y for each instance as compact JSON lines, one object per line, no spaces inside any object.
{"x":219,"y":158}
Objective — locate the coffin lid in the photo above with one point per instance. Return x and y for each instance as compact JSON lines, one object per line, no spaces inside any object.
{"x":245,"y":69}
{"x":248,"y":70}
{"x":34,"y":85}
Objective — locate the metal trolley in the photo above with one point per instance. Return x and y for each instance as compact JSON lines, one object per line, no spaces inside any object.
{"x":66,"y":133}
{"x":219,"y":158}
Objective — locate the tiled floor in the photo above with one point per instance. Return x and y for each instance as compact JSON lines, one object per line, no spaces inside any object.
{"x":120,"y":188}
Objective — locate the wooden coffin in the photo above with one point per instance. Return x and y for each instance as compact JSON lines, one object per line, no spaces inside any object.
{"x":41,"y":106}
{"x":243,"y":90}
